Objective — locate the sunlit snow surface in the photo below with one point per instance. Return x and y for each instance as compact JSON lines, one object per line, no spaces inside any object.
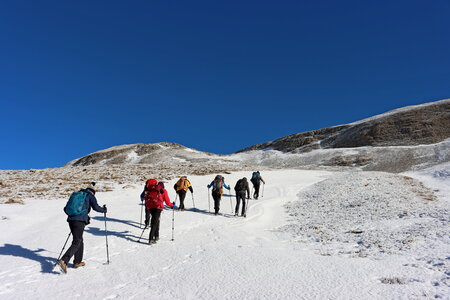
{"x":311,"y":235}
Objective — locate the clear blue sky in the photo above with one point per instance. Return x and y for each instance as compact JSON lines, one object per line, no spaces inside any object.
{"x":81,"y":76}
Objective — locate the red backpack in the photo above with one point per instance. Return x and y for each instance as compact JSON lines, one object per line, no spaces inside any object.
{"x":152,"y":193}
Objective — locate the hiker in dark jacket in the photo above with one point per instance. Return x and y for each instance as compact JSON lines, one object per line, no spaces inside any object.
{"x":217,"y":189}
{"x":241,"y":189}
{"x":256,"y":180}
{"x":77,"y":224}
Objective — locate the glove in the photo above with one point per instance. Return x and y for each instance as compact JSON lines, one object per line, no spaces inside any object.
{"x":174,"y":206}
{"x":104,"y":207}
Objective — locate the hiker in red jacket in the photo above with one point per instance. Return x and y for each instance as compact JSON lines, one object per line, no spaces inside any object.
{"x":155,"y":198}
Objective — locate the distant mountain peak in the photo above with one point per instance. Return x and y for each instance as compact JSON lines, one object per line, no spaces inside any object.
{"x":139,"y":154}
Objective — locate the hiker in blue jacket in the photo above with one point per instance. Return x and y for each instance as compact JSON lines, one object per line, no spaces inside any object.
{"x":217,"y":189}
{"x":77,"y":224}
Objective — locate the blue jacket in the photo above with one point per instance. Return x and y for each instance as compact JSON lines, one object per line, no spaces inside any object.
{"x":91,"y":201}
{"x":223,"y":182}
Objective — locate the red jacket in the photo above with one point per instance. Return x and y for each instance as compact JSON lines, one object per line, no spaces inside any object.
{"x":164,"y":197}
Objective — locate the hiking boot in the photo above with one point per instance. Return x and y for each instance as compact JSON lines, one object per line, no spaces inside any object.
{"x":152,"y":242}
{"x":62,"y":265}
{"x":81,"y":264}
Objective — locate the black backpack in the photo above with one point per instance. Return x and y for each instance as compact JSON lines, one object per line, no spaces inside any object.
{"x":240,"y":185}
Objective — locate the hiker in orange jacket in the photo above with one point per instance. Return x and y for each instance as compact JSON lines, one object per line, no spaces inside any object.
{"x":181,"y":187}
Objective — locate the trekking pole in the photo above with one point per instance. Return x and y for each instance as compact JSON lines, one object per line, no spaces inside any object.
{"x":262,"y":194}
{"x":173,"y":222}
{"x":142,"y":208}
{"x":209,"y":202}
{"x":106,"y":235}
{"x":246,"y":208}
{"x":231,"y":202}
{"x":193,"y":202}
{"x":173,"y":217}
{"x":142,"y":234}
{"x":62,"y":250}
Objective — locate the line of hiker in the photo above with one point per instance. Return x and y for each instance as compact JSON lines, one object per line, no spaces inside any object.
{"x":77,"y":210}
{"x":153,"y":197}
{"x":217,"y":190}
{"x":181,"y":187}
{"x":256,"y":180}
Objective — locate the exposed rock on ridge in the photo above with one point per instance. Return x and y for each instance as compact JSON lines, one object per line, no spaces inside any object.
{"x":409,"y":126}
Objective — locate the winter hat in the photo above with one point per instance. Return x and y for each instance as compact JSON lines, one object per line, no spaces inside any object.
{"x":91,"y":187}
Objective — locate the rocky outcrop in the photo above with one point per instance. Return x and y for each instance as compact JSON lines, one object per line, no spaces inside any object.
{"x":299,"y":142}
{"x":409,"y":126}
{"x":422,"y":125}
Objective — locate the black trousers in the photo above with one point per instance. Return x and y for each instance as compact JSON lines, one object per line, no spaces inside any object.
{"x":147,"y":216}
{"x":181,"y":195}
{"x":240,"y":195}
{"x":154,"y":224}
{"x":77,"y":229}
{"x":256,"y":193}
{"x":216,"y":196}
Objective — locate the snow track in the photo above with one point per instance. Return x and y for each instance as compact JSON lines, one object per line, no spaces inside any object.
{"x":212,"y":257}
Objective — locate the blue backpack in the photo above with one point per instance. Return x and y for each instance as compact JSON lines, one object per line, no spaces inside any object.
{"x":76,"y":204}
{"x":256,"y":177}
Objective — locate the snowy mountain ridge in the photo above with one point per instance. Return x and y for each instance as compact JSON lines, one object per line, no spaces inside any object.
{"x":403,"y":139}
{"x":428,"y":123}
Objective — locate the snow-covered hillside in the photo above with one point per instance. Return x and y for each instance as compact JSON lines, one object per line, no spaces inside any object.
{"x":394,"y":159}
{"x":157,"y":155}
{"x":404,"y":139}
{"x":258,"y":257}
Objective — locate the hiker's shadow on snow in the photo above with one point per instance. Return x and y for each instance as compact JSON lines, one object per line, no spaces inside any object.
{"x":123,"y":235}
{"x":196,"y":210}
{"x":46,"y":262}
{"x":207,"y":212}
{"x":127,"y":222}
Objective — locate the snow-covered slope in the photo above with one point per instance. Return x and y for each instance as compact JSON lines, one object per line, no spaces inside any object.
{"x":394,"y":159}
{"x":225,"y":257}
{"x":150,"y":154}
